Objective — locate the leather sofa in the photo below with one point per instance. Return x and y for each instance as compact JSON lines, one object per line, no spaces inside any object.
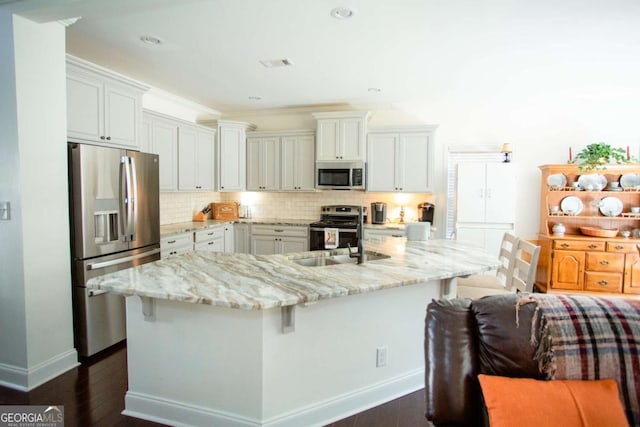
{"x":464,"y":338}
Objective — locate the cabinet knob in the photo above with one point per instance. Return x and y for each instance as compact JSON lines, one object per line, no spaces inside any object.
{"x":604,"y":262}
{"x":564,"y":245}
{"x":619,"y":247}
{"x":102,"y":138}
{"x":108,"y":138}
{"x":592,"y":246}
{"x":603,"y":283}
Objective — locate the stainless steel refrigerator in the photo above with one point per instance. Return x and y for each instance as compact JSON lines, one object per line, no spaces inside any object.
{"x":114,"y":213}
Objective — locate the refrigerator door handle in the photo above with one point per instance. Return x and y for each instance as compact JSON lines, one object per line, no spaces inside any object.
{"x":96,"y":292}
{"x":103,"y":264}
{"x":133,"y":202}
{"x":124,"y":206}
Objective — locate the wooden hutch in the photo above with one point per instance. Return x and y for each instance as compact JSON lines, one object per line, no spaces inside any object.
{"x":580,"y":263}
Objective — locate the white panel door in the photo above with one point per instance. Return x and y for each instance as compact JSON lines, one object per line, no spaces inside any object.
{"x":205,"y":160}
{"x":229,"y":238}
{"x":351,"y":140}
{"x":470,"y":192}
{"x":253,"y":164}
{"x":328,"y":139}
{"x":85,"y":108}
{"x":270,"y":163}
{"x":232,"y":159}
{"x":121,"y":116}
{"x":264,"y":245}
{"x":500,"y":193}
{"x":187,"y":153}
{"x":305,"y":163}
{"x":164,"y":143}
{"x":381,"y":162}
{"x":413,"y":165}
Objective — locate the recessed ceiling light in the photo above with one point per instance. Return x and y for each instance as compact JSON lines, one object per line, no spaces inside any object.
{"x":255,"y":98}
{"x":374,"y":89}
{"x":342,"y":13}
{"x":151,"y":40}
{"x":271,"y":63}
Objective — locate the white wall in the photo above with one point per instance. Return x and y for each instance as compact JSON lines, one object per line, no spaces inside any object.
{"x":37,"y":273}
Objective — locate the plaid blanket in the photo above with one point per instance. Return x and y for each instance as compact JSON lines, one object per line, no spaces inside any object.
{"x":588,"y":338}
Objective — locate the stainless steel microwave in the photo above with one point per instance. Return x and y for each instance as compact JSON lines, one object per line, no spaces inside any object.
{"x":340,"y":175}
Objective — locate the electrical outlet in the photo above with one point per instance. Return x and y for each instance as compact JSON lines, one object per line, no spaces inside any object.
{"x":381,"y":357}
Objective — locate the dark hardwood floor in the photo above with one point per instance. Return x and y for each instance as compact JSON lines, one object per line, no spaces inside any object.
{"x":93,"y":395}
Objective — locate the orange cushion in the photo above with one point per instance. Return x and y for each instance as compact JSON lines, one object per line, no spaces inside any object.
{"x":525,"y":402}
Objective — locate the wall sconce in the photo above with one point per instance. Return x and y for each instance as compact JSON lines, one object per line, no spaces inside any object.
{"x":506,"y":150}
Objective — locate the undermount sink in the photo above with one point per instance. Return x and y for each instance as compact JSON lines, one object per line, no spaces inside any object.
{"x":320,"y":261}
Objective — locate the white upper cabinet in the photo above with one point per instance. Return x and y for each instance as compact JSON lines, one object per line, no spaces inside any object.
{"x":297,"y":163}
{"x":232,"y":155}
{"x":161,"y":138}
{"x":341,"y":135}
{"x":280,"y":160}
{"x":102,"y":107}
{"x":400,"y":159}
{"x":263,"y":163}
{"x":196,"y":155}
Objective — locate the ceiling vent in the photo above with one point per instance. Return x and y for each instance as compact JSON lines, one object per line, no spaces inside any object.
{"x":272,"y":63}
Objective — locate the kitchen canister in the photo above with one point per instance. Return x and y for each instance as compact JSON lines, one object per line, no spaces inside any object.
{"x":418,"y":230}
{"x":558,"y":229}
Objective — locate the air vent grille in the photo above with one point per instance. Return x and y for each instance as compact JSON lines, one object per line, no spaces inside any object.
{"x":271,"y":63}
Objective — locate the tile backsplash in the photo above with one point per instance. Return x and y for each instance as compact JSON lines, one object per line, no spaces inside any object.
{"x":181,"y":207}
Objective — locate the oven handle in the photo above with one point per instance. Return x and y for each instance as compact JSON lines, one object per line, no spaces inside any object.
{"x":340,"y":230}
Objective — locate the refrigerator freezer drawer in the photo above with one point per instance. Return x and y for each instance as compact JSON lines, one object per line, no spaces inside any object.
{"x":100,"y":320}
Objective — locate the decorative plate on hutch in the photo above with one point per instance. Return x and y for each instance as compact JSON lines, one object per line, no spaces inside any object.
{"x":572,"y":205}
{"x":557,"y":180}
{"x":611,"y":206}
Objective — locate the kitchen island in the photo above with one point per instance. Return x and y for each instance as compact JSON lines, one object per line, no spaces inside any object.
{"x":241,"y":340}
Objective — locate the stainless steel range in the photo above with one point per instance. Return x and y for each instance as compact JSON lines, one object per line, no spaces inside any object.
{"x":344,"y":219}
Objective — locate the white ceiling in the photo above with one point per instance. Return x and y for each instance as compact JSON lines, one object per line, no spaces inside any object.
{"x":414,"y":51}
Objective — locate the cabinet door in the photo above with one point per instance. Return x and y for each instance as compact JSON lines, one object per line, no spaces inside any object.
{"x":297,"y":163}
{"x":229,"y":238}
{"x":215,"y":245}
{"x":164,"y":143}
{"x":242,"y":244}
{"x":253,"y":164}
{"x":381,"y":162}
{"x":293,"y":244}
{"x":632,"y":273}
{"x":328,"y":139}
{"x":500,"y":193}
{"x":470,"y":192}
{"x":413,"y":166}
{"x":187,"y":153}
{"x":121,"y":116}
{"x":264,"y":245}
{"x":205,"y":160}
{"x":232,"y":162}
{"x":270,"y":154}
{"x":567,"y":270}
{"x":85,"y":108}
{"x":351,"y":145}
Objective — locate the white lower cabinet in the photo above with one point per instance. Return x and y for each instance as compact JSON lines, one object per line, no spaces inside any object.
{"x":176,"y":244}
{"x":278,"y":239}
{"x":373,"y":234}
{"x":210,"y":239}
{"x":241,"y":240}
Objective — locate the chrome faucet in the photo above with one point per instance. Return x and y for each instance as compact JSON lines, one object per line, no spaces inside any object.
{"x":360,"y":235}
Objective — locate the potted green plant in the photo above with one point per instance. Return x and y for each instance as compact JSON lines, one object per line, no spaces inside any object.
{"x":599,"y":155}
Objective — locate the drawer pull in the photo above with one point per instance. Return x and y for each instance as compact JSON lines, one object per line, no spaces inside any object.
{"x":564,"y":245}
{"x":619,"y":247}
{"x":592,"y":246}
{"x":604,"y":262}
{"x":603,"y":282}
{"x":210,"y":234}
{"x":171,"y":242}
{"x":278,"y":231}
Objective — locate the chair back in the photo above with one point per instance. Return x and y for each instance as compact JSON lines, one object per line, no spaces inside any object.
{"x":522,"y":270}
{"x":507,"y":248}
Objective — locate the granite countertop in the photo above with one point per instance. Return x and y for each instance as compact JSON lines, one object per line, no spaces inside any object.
{"x":183,"y":227}
{"x":255,"y":282}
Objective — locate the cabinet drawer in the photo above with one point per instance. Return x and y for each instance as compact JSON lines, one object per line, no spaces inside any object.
{"x":280,"y":230}
{"x":604,"y":261}
{"x":621,"y":247}
{"x":171,"y":252}
{"x":209,"y":234}
{"x":578,"y":245}
{"x":176,"y":241}
{"x":603,"y":282}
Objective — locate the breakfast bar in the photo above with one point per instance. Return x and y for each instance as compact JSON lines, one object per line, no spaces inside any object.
{"x":282,"y":340}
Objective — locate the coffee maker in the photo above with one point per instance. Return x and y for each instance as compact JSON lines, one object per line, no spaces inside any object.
{"x":425,"y":212}
{"x":378,"y":213}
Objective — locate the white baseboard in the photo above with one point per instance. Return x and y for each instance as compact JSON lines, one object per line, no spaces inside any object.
{"x":26,"y":379}
{"x":325,"y":412}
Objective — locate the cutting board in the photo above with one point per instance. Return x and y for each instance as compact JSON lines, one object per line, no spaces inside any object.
{"x":224,"y":210}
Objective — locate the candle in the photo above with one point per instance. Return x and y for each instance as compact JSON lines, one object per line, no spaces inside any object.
{"x":628,"y":157}
{"x":570,"y":156}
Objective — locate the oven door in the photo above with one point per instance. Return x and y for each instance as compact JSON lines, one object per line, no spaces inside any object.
{"x":346,"y":236}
